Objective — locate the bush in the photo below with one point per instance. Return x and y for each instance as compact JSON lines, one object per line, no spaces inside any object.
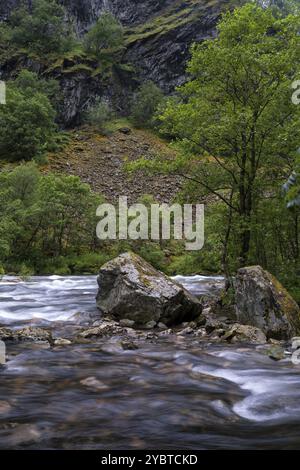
{"x":27,"y":128}
{"x":105,"y":35}
{"x":29,"y":83}
{"x":145,"y":105}
{"x":99,"y":114}
{"x":45,"y":218}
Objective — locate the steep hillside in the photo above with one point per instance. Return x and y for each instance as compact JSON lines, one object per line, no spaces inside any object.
{"x":100,"y":161}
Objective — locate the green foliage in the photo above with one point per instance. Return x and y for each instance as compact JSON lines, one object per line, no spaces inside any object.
{"x":145,"y":104}
{"x":27,"y":127}
{"x":42,"y":30}
{"x":25,"y":272}
{"x":99,"y":114}
{"x":235,"y":133}
{"x":105,"y":36}
{"x":30,"y":83}
{"x":236,"y":127}
{"x":44,"y":217}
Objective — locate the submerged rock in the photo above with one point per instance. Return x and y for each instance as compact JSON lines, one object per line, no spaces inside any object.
{"x":62,"y":342}
{"x":132,"y":289}
{"x":275,"y":352}
{"x":263,"y":302}
{"x":129,"y":345}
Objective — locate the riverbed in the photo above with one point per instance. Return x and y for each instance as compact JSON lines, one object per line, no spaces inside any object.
{"x":173,"y":392}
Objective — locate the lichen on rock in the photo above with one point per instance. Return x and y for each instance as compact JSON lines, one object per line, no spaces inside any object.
{"x":263,"y":302}
{"x":132,"y":289}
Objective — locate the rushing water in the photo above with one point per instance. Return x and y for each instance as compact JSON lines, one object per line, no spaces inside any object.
{"x":176,"y":392}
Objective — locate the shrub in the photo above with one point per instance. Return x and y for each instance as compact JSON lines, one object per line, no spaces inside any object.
{"x":106,"y":34}
{"x":27,"y":128}
{"x":145,"y":104}
{"x":29,"y":83}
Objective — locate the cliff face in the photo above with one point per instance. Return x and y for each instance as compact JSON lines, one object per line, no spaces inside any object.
{"x":86,"y":12}
{"x":158,"y":38}
{"x":160,"y":45}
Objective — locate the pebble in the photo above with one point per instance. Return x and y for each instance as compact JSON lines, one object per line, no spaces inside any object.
{"x":4,"y":407}
{"x":129,"y":345}
{"x":62,"y":342}
{"x":95,"y":384}
{"x":151,"y":324}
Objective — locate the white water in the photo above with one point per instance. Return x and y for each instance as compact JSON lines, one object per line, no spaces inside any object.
{"x":59,"y":298}
{"x":53,"y":298}
{"x":200,"y":394}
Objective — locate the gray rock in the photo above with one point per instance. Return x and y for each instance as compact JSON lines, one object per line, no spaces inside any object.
{"x":186,"y":331}
{"x":125,"y":130}
{"x":274,"y":352}
{"x":211,"y":320}
{"x":106,"y":329}
{"x":128,"y":345}
{"x":263,"y":302}
{"x":167,"y":332}
{"x":33,"y":334}
{"x":62,"y":342}
{"x":244,"y":333}
{"x":151,"y":324}
{"x":127,"y":323}
{"x":130,"y":288}
{"x":94,"y":384}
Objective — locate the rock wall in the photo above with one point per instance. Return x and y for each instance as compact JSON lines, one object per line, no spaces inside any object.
{"x":159,"y":34}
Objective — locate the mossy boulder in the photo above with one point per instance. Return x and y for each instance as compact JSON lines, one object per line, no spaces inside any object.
{"x":263,"y":302}
{"x":130,"y":288}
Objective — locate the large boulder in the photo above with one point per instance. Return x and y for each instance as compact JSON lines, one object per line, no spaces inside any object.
{"x":263,"y":302}
{"x":130,"y":288}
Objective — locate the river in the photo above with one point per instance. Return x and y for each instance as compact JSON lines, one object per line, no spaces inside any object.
{"x":174,"y":392}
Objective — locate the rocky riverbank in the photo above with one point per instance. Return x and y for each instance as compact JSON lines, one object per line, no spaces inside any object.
{"x":136,"y":303}
{"x":74,"y":379}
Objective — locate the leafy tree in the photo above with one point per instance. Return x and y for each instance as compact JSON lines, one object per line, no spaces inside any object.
{"x":146,"y":103}
{"x":30,"y":83}
{"x":40,"y":29}
{"x":106,"y":35}
{"x":27,"y":127}
{"x":236,"y":127}
{"x":44,"y":216}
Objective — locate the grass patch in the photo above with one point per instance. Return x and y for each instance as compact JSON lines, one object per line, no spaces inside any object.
{"x":173,"y":17}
